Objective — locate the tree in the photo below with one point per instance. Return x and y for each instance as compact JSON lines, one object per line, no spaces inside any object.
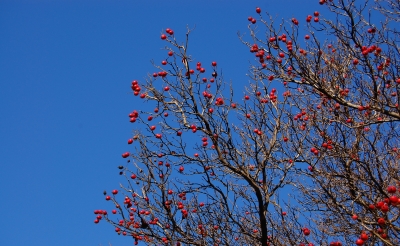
{"x":213,"y":168}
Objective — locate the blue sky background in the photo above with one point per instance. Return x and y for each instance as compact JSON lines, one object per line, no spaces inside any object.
{"x":65,"y":74}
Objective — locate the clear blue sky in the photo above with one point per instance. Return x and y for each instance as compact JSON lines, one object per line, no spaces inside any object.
{"x":65,"y":73}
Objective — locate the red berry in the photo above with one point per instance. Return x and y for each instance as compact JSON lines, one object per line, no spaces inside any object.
{"x":391,"y":189}
{"x":306,"y":231}
{"x":381,"y":221}
{"x":364,"y":236}
{"x":163,"y":36}
{"x":359,"y":242}
{"x":258,"y":10}
{"x":394,"y":200}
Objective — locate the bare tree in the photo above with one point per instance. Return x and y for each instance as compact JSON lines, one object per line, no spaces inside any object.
{"x":213,"y":168}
